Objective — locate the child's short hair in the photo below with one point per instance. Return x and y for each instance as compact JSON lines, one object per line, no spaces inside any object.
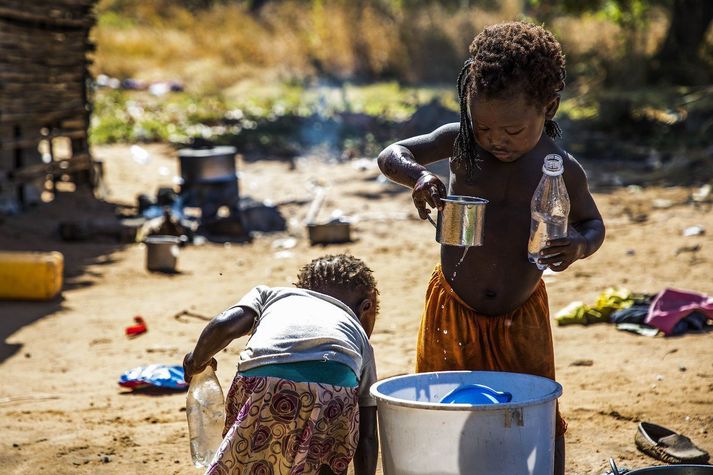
{"x":336,"y":271}
{"x":505,"y":59}
{"x":517,"y":55}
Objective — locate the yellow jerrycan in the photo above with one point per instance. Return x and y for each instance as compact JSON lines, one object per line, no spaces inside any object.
{"x":30,"y":275}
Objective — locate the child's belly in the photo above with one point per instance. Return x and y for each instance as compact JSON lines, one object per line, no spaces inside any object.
{"x":493,"y":279}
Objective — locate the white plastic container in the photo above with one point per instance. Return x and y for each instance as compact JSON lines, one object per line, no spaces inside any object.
{"x":419,"y":435}
{"x":205,"y":409}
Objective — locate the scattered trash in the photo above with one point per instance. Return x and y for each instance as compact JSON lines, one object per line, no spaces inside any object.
{"x":638,"y":328}
{"x":105,"y":81}
{"x":191,"y":314}
{"x":154,"y":376}
{"x":138,"y":328}
{"x":695,"y":248}
{"x":140,"y":155}
{"x":284,"y":254}
{"x":365,"y":164}
{"x":634,"y":189}
{"x":702,"y":193}
{"x":662,"y":203}
{"x":161,"y":88}
{"x":20,"y":399}
{"x":161,"y":349}
{"x":694,"y":231}
{"x":285,"y":243}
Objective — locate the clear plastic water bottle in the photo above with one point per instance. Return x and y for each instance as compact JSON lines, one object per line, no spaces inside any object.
{"x":549,"y":209}
{"x":205,"y":409}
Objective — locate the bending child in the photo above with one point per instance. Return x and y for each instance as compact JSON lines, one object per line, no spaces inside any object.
{"x":300,"y":400}
{"x":492,"y":314}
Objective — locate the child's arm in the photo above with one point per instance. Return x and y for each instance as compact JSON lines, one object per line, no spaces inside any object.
{"x":229,"y":325}
{"x":586,"y":230}
{"x":367,"y":450}
{"x":404,"y":162}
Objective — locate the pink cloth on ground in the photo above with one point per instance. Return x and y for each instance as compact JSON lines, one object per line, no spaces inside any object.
{"x":672,"y":305}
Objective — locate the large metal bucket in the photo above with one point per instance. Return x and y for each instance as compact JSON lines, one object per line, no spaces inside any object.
{"x":201,"y":165}
{"x":461,"y":221}
{"x":419,"y":435}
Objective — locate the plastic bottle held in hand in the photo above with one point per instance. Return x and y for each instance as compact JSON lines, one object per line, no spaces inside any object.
{"x":549,"y":208}
{"x":205,"y":409}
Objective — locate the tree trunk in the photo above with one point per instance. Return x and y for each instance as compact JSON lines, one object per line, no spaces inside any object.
{"x":678,"y":59}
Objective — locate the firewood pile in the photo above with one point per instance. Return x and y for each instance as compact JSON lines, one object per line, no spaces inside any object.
{"x":44,"y":46}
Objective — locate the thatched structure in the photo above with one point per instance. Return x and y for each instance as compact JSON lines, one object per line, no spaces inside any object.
{"x":43,"y":95}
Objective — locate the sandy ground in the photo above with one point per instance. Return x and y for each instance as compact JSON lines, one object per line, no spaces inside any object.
{"x":62,"y":412}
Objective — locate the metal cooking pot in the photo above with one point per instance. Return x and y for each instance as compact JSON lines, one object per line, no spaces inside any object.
{"x":204,"y":165}
{"x":667,"y":470}
{"x":461,"y":221}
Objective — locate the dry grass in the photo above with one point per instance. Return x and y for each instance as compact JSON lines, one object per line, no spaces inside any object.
{"x":299,"y":41}
{"x":212,"y":49}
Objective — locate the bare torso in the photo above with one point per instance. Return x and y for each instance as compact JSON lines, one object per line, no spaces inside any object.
{"x":497,"y":277}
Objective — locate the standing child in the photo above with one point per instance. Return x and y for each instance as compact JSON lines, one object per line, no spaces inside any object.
{"x":492,"y":314}
{"x":300,"y":400}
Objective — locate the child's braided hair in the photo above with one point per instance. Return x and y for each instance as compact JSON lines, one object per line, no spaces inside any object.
{"x":336,"y":271}
{"x":506,"y":59}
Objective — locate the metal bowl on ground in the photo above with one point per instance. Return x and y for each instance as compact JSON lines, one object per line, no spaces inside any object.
{"x":682,"y":469}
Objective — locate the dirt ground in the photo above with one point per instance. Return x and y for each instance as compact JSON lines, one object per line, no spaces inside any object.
{"x":62,"y":412}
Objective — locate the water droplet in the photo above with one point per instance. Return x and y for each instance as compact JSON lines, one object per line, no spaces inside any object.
{"x":445,"y":332}
{"x":460,"y":344}
{"x":455,"y":271}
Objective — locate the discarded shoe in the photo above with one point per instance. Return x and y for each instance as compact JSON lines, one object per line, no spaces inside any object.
{"x":666,"y":445}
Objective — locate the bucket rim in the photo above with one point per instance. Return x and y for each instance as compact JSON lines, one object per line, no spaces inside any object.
{"x":374,"y":391}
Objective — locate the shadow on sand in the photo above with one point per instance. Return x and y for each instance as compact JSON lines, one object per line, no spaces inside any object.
{"x":36,"y":229}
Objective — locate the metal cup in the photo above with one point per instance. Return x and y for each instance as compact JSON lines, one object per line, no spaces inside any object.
{"x":461,"y":221}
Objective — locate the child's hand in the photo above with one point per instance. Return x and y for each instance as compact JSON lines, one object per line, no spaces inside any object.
{"x":560,"y":253}
{"x":429,"y":189}
{"x":190,"y":368}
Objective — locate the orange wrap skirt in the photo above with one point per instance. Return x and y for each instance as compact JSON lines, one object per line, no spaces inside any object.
{"x":453,"y":336}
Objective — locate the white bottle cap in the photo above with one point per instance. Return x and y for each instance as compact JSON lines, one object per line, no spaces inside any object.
{"x":553,"y":166}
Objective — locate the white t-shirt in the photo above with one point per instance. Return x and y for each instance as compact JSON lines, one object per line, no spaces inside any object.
{"x":295,"y":325}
